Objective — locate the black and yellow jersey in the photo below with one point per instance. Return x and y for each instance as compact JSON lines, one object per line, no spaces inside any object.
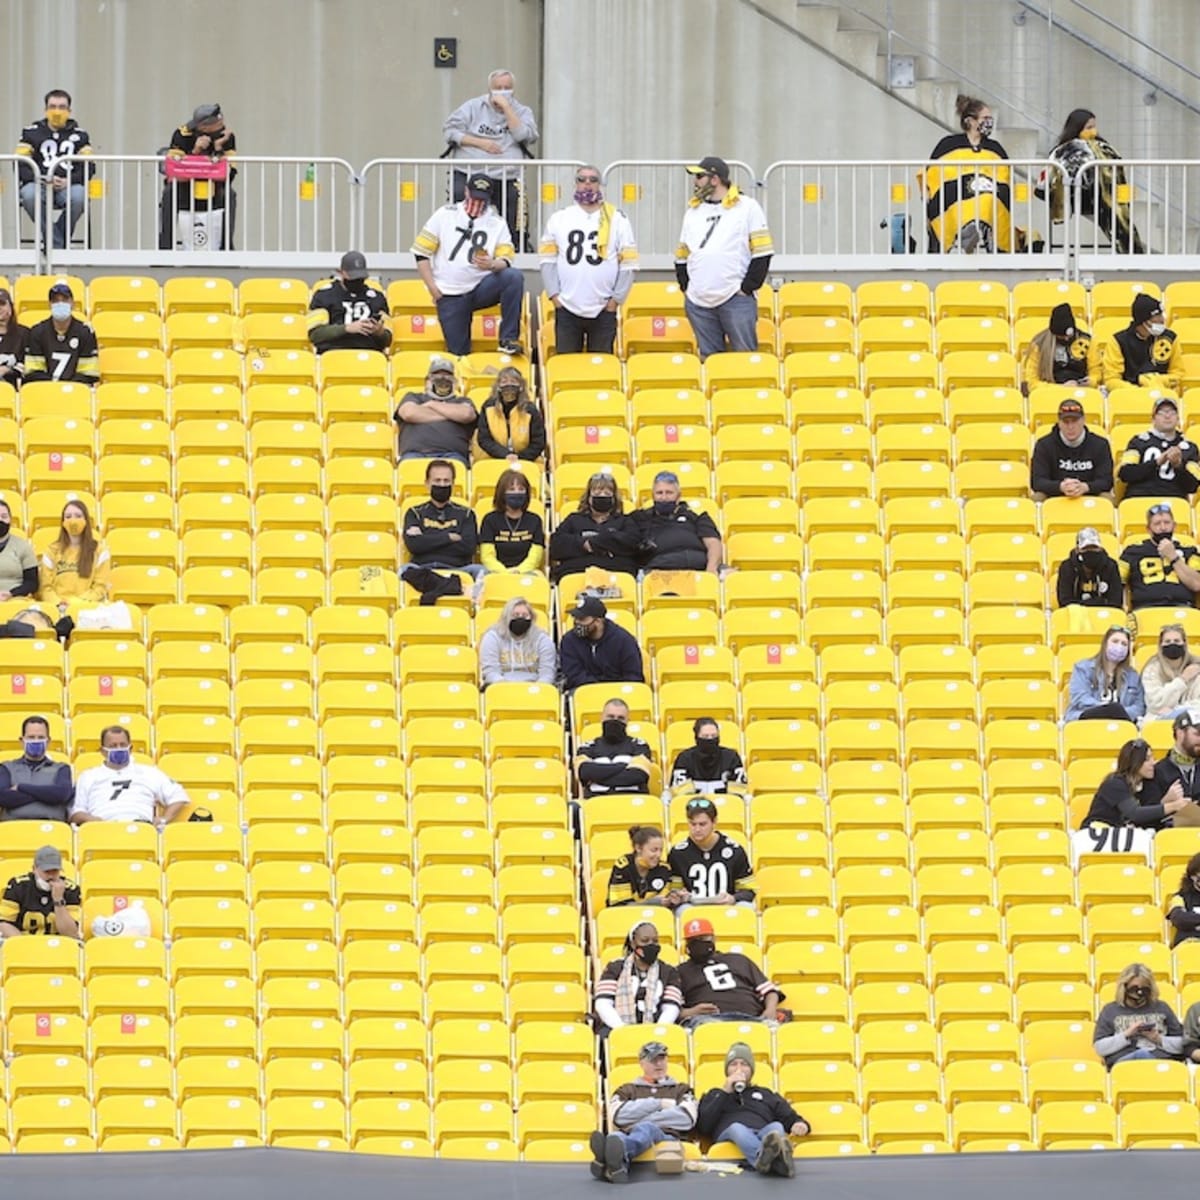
{"x":626,"y":885}
{"x":1144,"y":472}
{"x":723,"y":867}
{"x":1152,"y":582}
{"x":30,"y":909}
{"x":67,"y":357}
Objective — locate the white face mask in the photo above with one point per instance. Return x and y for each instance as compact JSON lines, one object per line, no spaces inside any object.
{"x":1157,"y":328}
{"x":43,"y":884}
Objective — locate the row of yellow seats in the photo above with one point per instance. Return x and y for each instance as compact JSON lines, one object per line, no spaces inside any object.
{"x":953,"y":298}
{"x":995,"y":408}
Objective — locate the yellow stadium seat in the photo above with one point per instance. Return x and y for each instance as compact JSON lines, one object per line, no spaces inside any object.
{"x":128,"y":330}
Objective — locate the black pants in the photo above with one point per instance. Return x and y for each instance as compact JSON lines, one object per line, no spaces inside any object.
{"x":1105,"y":712}
{"x":571,"y":332}
{"x":510,"y":209}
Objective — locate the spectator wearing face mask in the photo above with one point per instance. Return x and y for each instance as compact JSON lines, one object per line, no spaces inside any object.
{"x":348,"y":313}
{"x":708,"y":766}
{"x":440,"y":534}
{"x":1106,"y":687}
{"x":510,"y":423}
{"x":62,"y":193}
{"x":720,"y":985}
{"x":436,"y":423}
{"x":1176,"y":767}
{"x":615,"y":761}
{"x":511,"y":538}
{"x":18,"y":563}
{"x":1137,"y":1024}
{"x":597,"y":650}
{"x":588,"y":261}
{"x":644,"y":876}
{"x":515,"y":650}
{"x":62,"y":348}
{"x":1145,"y":353}
{"x":1060,"y":354}
{"x":1089,"y":575}
{"x":124,"y":790}
{"x":206,"y":135}
{"x":43,"y":902}
{"x":75,"y":569}
{"x":34,"y":787}
{"x":1161,"y":571}
{"x":1171,"y":676}
{"x":464,"y":257}
{"x":1070,"y":460}
{"x":639,"y":988}
{"x":598,"y":533}
{"x":1129,"y":795}
{"x":674,"y":537}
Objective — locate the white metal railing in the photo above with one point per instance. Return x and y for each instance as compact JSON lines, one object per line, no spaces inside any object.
{"x":398,"y":195}
{"x":294,"y":212}
{"x":21,"y":231}
{"x":942,"y":215}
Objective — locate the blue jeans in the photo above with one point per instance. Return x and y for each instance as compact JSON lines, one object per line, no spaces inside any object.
{"x":736,"y":319}
{"x":749,"y":1141}
{"x":1138,"y":1055}
{"x":692,"y":1022}
{"x":29,"y":199}
{"x":641,"y":1137}
{"x":505,"y":287}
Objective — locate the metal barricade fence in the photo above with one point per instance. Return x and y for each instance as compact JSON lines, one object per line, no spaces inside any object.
{"x":291,"y":213}
{"x":21,"y":216}
{"x":398,"y":195}
{"x":655,"y":195}
{"x":943,"y":215}
{"x":1133,"y":214}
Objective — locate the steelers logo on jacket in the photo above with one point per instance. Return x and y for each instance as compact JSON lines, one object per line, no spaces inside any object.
{"x":1160,"y":350}
{"x":1079,"y":347}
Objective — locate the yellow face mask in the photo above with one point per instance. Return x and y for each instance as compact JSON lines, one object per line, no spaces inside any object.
{"x":1090,"y":135}
{"x":74,"y":525}
{"x":57,"y":118}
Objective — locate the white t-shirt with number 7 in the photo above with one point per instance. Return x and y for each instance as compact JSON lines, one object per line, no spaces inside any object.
{"x":126,"y":795}
{"x":449,"y":240}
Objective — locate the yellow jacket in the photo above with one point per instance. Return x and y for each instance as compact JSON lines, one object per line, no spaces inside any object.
{"x":60,"y":581}
{"x":1031,"y":364}
{"x":1168,"y":379}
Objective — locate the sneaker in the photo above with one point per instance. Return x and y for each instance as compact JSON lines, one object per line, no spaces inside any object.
{"x":764,"y":1164}
{"x":616,"y":1166}
{"x":785,"y":1164}
{"x":512,"y":349}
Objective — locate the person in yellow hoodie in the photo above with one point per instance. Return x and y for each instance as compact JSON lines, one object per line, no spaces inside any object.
{"x":1145,"y":353}
{"x":74,"y":571}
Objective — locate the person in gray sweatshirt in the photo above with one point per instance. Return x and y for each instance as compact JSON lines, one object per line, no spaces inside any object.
{"x":653,"y":1108}
{"x":1137,"y":1024}
{"x":515,"y":650}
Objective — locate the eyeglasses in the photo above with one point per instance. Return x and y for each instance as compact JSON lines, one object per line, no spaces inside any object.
{"x":1156,"y":510}
{"x":587,"y":178}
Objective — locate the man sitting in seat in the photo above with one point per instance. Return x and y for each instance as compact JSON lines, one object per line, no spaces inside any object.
{"x":1160,"y":461}
{"x":1071,"y":460}
{"x":613,"y":762}
{"x":43,"y":901}
{"x":439,"y":534}
{"x":708,"y":766}
{"x":124,"y":790}
{"x":1160,"y":572}
{"x":722,"y":986}
{"x":1145,"y":353}
{"x":34,"y":787}
{"x":347,"y":313}
{"x":62,"y":348}
{"x":674,"y":537}
{"x":598,"y":650}
{"x":436,"y":423}
{"x":713,"y":868}
{"x":651,"y":1109}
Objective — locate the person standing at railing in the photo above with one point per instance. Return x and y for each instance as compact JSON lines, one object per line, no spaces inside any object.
{"x":55,"y":136}
{"x":722,"y":260}
{"x":205,"y":136}
{"x":1098,"y":194}
{"x":491,"y":127}
{"x":968,"y":202}
{"x":588,"y":260}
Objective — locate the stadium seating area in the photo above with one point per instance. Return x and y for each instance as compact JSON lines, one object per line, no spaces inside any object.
{"x":386,"y":938}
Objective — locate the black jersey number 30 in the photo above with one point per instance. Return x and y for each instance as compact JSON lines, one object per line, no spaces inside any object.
{"x":705,"y":881}
{"x":574,"y":251}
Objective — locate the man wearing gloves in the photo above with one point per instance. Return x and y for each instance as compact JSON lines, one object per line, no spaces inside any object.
{"x":651,"y":1109}
{"x":755,"y":1119}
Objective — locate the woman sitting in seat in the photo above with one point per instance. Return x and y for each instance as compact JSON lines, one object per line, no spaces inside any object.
{"x":18,"y":563}
{"x":75,"y":567}
{"x":511,"y":538}
{"x":510,"y":423}
{"x":1106,"y":687}
{"x":1116,"y":800}
{"x":514,"y":650}
{"x":639,"y":988}
{"x":642,"y":876}
{"x":597,"y":534}
{"x":14,"y":338}
{"x":1171,"y":678}
{"x":1184,"y":910}
{"x":1137,"y":1024}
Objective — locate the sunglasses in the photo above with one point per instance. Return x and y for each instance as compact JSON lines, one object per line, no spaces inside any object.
{"x":699,"y":806}
{"x":1156,"y":510}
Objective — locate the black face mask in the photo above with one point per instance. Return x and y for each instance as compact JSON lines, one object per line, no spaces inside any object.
{"x":649,"y":953}
{"x":518,"y":500}
{"x":602,"y":503}
{"x":707,"y":748}
{"x":439,"y":493}
{"x":5,"y":527}
{"x":1137,"y":995}
{"x":519,"y":626}
{"x":614,"y":730}
{"x":1091,"y":558}
{"x":1174,"y":651}
{"x":699,"y":951}
{"x":356,"y":285}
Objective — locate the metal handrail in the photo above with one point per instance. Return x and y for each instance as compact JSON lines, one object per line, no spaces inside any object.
{"x":1130,"y":36}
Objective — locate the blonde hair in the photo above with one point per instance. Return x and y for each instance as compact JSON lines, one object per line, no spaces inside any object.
{"x":513,"y":602}
{"x":1170,"y":668}
{"x":1132,"y":972}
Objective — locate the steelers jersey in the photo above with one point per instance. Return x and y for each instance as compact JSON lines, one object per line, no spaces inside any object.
{"x":1144,"y":472}
{"x":30,"y":909}
{"x":1152,"y":582}
{"x":336,"y":304}
{"x":625,"y":885}
{"x":70,"y":356}
{"x":717,"y":242}
{"x":723,"y":868}
{"x":450,"y":240}
{"x":587,"y":276}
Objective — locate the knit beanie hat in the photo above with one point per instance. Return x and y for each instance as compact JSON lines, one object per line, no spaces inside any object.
{"x":1062,"y":320}
{"x":742,"y":1051}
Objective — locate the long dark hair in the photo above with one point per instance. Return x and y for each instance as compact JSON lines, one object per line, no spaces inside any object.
{"x":1185,"y":884}
{"x":1077,"y":118}
{"x":1130,"y":760}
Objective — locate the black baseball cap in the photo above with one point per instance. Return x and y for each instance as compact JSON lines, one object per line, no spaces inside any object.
{"x":354,"y":265}
{"x":1070,"y":408}
{"x":60,"y":287}
{"x":480,"y":187}
{"x":589,"y":606}
{"x":711,"y":166}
